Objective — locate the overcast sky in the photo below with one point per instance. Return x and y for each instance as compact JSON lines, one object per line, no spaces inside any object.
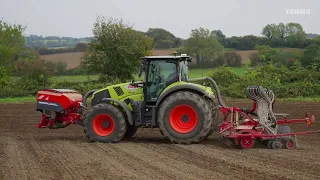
{"x":75,"y":18}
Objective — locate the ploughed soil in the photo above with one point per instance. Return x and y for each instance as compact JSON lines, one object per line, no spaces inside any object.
{"x":30,"y":153}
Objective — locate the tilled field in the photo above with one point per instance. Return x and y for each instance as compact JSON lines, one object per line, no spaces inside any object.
{"x":30,"y":153}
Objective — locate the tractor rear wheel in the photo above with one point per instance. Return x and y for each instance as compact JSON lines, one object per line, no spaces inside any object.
{"x":105,"y":123}
{"x":185,"y":118}
{"x":215,"y":122}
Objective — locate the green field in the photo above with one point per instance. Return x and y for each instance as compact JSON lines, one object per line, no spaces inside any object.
{"x":18,"y":99}
{"x":194,"y":73}
{"x":78,"y":78}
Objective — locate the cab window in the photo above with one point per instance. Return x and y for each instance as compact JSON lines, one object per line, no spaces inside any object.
{"x":160,"y":74}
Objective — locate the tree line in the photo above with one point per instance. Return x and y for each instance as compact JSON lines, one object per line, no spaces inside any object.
{"x":49,"y":42}
{"x":291,"y":35}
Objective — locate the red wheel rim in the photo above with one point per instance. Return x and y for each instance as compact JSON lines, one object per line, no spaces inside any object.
{"x":103,"y":125}
{"x":290,"y":144}
{"x":183,"y":119}
{"x":247,"y":142}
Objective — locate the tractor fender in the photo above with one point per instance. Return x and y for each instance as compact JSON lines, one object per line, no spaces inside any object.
{"x":187,"y":87}
{"x":124,"y":107}
{"x":89,"y":93}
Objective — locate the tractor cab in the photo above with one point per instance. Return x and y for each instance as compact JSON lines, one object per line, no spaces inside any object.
{"x":160,"y":72}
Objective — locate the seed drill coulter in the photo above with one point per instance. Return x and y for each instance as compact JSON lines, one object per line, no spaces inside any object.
{"x":185,"y":110}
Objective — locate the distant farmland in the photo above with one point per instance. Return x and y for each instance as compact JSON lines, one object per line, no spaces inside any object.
{"x":73,"y":59}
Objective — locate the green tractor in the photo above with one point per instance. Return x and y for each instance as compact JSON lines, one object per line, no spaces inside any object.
{"x":166,"y":99}
{"x":183,"y":110}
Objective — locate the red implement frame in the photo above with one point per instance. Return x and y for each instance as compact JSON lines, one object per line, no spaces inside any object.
{"x":250,"y":128}
{"x":71,"y":116}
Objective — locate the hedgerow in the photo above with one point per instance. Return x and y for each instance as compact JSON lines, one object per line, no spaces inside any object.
{"x":286,"y":83}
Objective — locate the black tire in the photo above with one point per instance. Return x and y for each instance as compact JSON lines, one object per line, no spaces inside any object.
{"x":131,"y":131}
{"x":119,"y":123}
{"x":269,"y":144}
{"x":289,"y":142}
{"x":276,"y":144}
{"x":198,"y":104}
{"x":214,"y":112}
{"x":88,"y":138}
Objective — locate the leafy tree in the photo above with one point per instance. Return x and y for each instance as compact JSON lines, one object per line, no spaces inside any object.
{"x":295,"y":35}
{"x":233,"y":59}
{"x":35,"y":75}
{"x":246,"y":42}
{"x":220,"y":36}
{"x":289,"y":35}
{"x":116,"y":49}
{"x":203,"y":45}
{"x":11,"y":42}
{"x":51,"y":67}
{"x":163,"y":39}
{"x":270,"y":31}
{"x":254,"y":58}
{"x":311,"y":56}
{"x":266,"y":53}
{"x":61,"y":67}
{"x":286,"y":57}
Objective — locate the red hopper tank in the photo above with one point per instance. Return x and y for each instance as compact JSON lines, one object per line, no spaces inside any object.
{"x":60,"y":107}
{"x":58,"y":99}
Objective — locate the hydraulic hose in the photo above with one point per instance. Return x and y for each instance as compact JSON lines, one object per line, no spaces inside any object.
{"x":221,"y":103}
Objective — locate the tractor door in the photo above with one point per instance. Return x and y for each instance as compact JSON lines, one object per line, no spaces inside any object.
{"x":161,"y":73}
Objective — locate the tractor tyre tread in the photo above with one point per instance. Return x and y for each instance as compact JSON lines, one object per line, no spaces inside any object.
{"x":164,"y":111}
{"x":214,"y":119}
{"x":120,"y":124}
{"x":131,"y":131}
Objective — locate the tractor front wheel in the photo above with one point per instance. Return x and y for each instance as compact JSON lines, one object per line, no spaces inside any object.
{"x":131,"y":131}
{"x":185,"y":118}
{"x":105,"y":123}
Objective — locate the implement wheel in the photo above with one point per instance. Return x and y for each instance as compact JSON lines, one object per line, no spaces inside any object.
{"x":105,"y":123}
{"x":185,"y":118}
{"x":269,"y":144}
{"x":246,"y":142}
{"x":276,"y":144}
{"x":290,"y":143}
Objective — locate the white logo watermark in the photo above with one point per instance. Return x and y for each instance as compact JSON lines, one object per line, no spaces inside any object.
{"x":298,"y":11}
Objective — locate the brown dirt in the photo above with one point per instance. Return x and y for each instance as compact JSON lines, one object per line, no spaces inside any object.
{"x":245,"y":54}
{"x":72,"y":59}
{"x":30,"y":153}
